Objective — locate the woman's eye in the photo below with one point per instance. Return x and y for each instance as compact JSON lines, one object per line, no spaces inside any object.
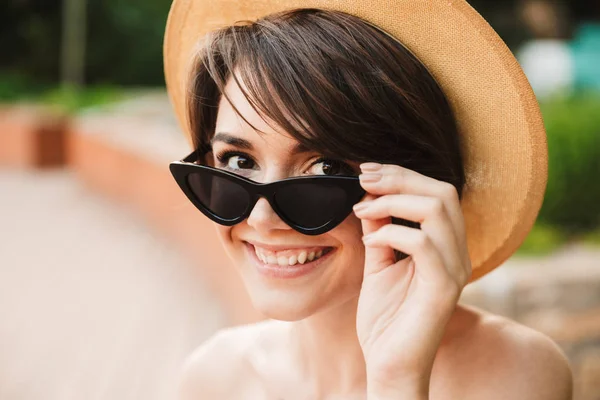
{"x":325,"y":166}
{"x":235,"y":161}
{"x":239,"y":162}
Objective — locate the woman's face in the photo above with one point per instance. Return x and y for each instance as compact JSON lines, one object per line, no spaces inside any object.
{"x":283,"y":292}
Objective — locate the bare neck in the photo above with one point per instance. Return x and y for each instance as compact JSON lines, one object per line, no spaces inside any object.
{"x":327,"y":350}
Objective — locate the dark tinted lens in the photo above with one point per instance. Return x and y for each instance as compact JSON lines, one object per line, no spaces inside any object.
{"x":224,"y":198}
{"x":310,"y":205}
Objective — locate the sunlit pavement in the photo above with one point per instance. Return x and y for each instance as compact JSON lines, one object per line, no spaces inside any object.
{"x":93,"y":305}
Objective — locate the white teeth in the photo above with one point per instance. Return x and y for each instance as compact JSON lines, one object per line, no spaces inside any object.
{"x":302,"y":257}
{"x":259,"y":255}
{"x":282,"y":260}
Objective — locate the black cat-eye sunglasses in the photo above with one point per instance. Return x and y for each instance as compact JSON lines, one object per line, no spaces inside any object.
{"x":311,"y":205}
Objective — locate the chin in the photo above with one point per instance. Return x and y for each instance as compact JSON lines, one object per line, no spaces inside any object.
{"x":286,"y":299}
{"x":293,"y":293}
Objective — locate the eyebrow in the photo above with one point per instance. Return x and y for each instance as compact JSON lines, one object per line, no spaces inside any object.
{"x":236,"y":141}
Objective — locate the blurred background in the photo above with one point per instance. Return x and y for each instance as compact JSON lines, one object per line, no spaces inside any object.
{"x":109,"y":278}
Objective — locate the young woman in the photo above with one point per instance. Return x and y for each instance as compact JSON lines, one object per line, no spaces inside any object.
{"x":357,"y":195}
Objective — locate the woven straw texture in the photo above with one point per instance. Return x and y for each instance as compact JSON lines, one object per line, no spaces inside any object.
{"x":504,"y":141}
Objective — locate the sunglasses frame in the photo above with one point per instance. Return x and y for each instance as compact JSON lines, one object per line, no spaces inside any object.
{"x":350,"y":184}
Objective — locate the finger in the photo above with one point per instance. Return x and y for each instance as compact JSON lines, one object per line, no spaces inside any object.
{"x":431,"y":213}
{"x":396,"y":179}
{"x":376,"y":258}
{"x":428,"y":262}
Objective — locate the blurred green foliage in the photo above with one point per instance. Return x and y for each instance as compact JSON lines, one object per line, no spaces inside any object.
{"x":572,"y":199}
{"x":592,"y":238}
{"x":571,"y":208}
{"x":19,"y":88}
{"x":124,"y":40}
{"x":71,"y":100}
{"x":542,"y":239}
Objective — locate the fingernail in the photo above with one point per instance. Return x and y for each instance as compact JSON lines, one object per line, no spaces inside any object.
{"x":370,"y":166}
{"x":369,"y":177}
{"x":361,"y":206}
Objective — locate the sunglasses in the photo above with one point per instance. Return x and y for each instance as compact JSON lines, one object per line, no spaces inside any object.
{"x":311,"y":205}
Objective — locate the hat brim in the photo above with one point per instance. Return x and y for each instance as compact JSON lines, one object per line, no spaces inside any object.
{"x":503,"y":136}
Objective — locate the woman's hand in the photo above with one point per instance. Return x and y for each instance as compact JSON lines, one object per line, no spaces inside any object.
{"x":404,"y":306}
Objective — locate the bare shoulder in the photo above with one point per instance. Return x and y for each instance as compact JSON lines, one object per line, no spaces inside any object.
{"x":208,"y":372}
{"x":496,"y":358}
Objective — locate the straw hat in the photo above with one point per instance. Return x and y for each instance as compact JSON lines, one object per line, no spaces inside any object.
{"x":504,"y":141}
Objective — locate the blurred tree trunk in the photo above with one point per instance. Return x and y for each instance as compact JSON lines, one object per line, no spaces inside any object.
{"x":73,"y":42}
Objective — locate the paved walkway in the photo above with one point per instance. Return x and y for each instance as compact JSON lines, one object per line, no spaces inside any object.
{"x":92,"y":305}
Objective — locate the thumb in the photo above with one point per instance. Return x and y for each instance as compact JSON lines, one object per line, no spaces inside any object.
{"x":376,"y":258}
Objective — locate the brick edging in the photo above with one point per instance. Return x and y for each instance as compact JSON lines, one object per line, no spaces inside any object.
{"x":32,"y":136}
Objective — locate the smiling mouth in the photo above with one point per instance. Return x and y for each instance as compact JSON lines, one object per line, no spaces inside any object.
{"x":291,"y":257}
{"x":290,"y":263}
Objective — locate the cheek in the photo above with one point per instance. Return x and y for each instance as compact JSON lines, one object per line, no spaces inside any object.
{"x":224,"y":234}
{"x":349,"y":231}
{"x":349,"y":235}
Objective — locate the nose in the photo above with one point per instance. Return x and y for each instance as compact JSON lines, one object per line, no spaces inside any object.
{"x":263,"y":219}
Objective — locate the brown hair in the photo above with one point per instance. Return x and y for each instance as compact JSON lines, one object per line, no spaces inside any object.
{"x":336,"y":84}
